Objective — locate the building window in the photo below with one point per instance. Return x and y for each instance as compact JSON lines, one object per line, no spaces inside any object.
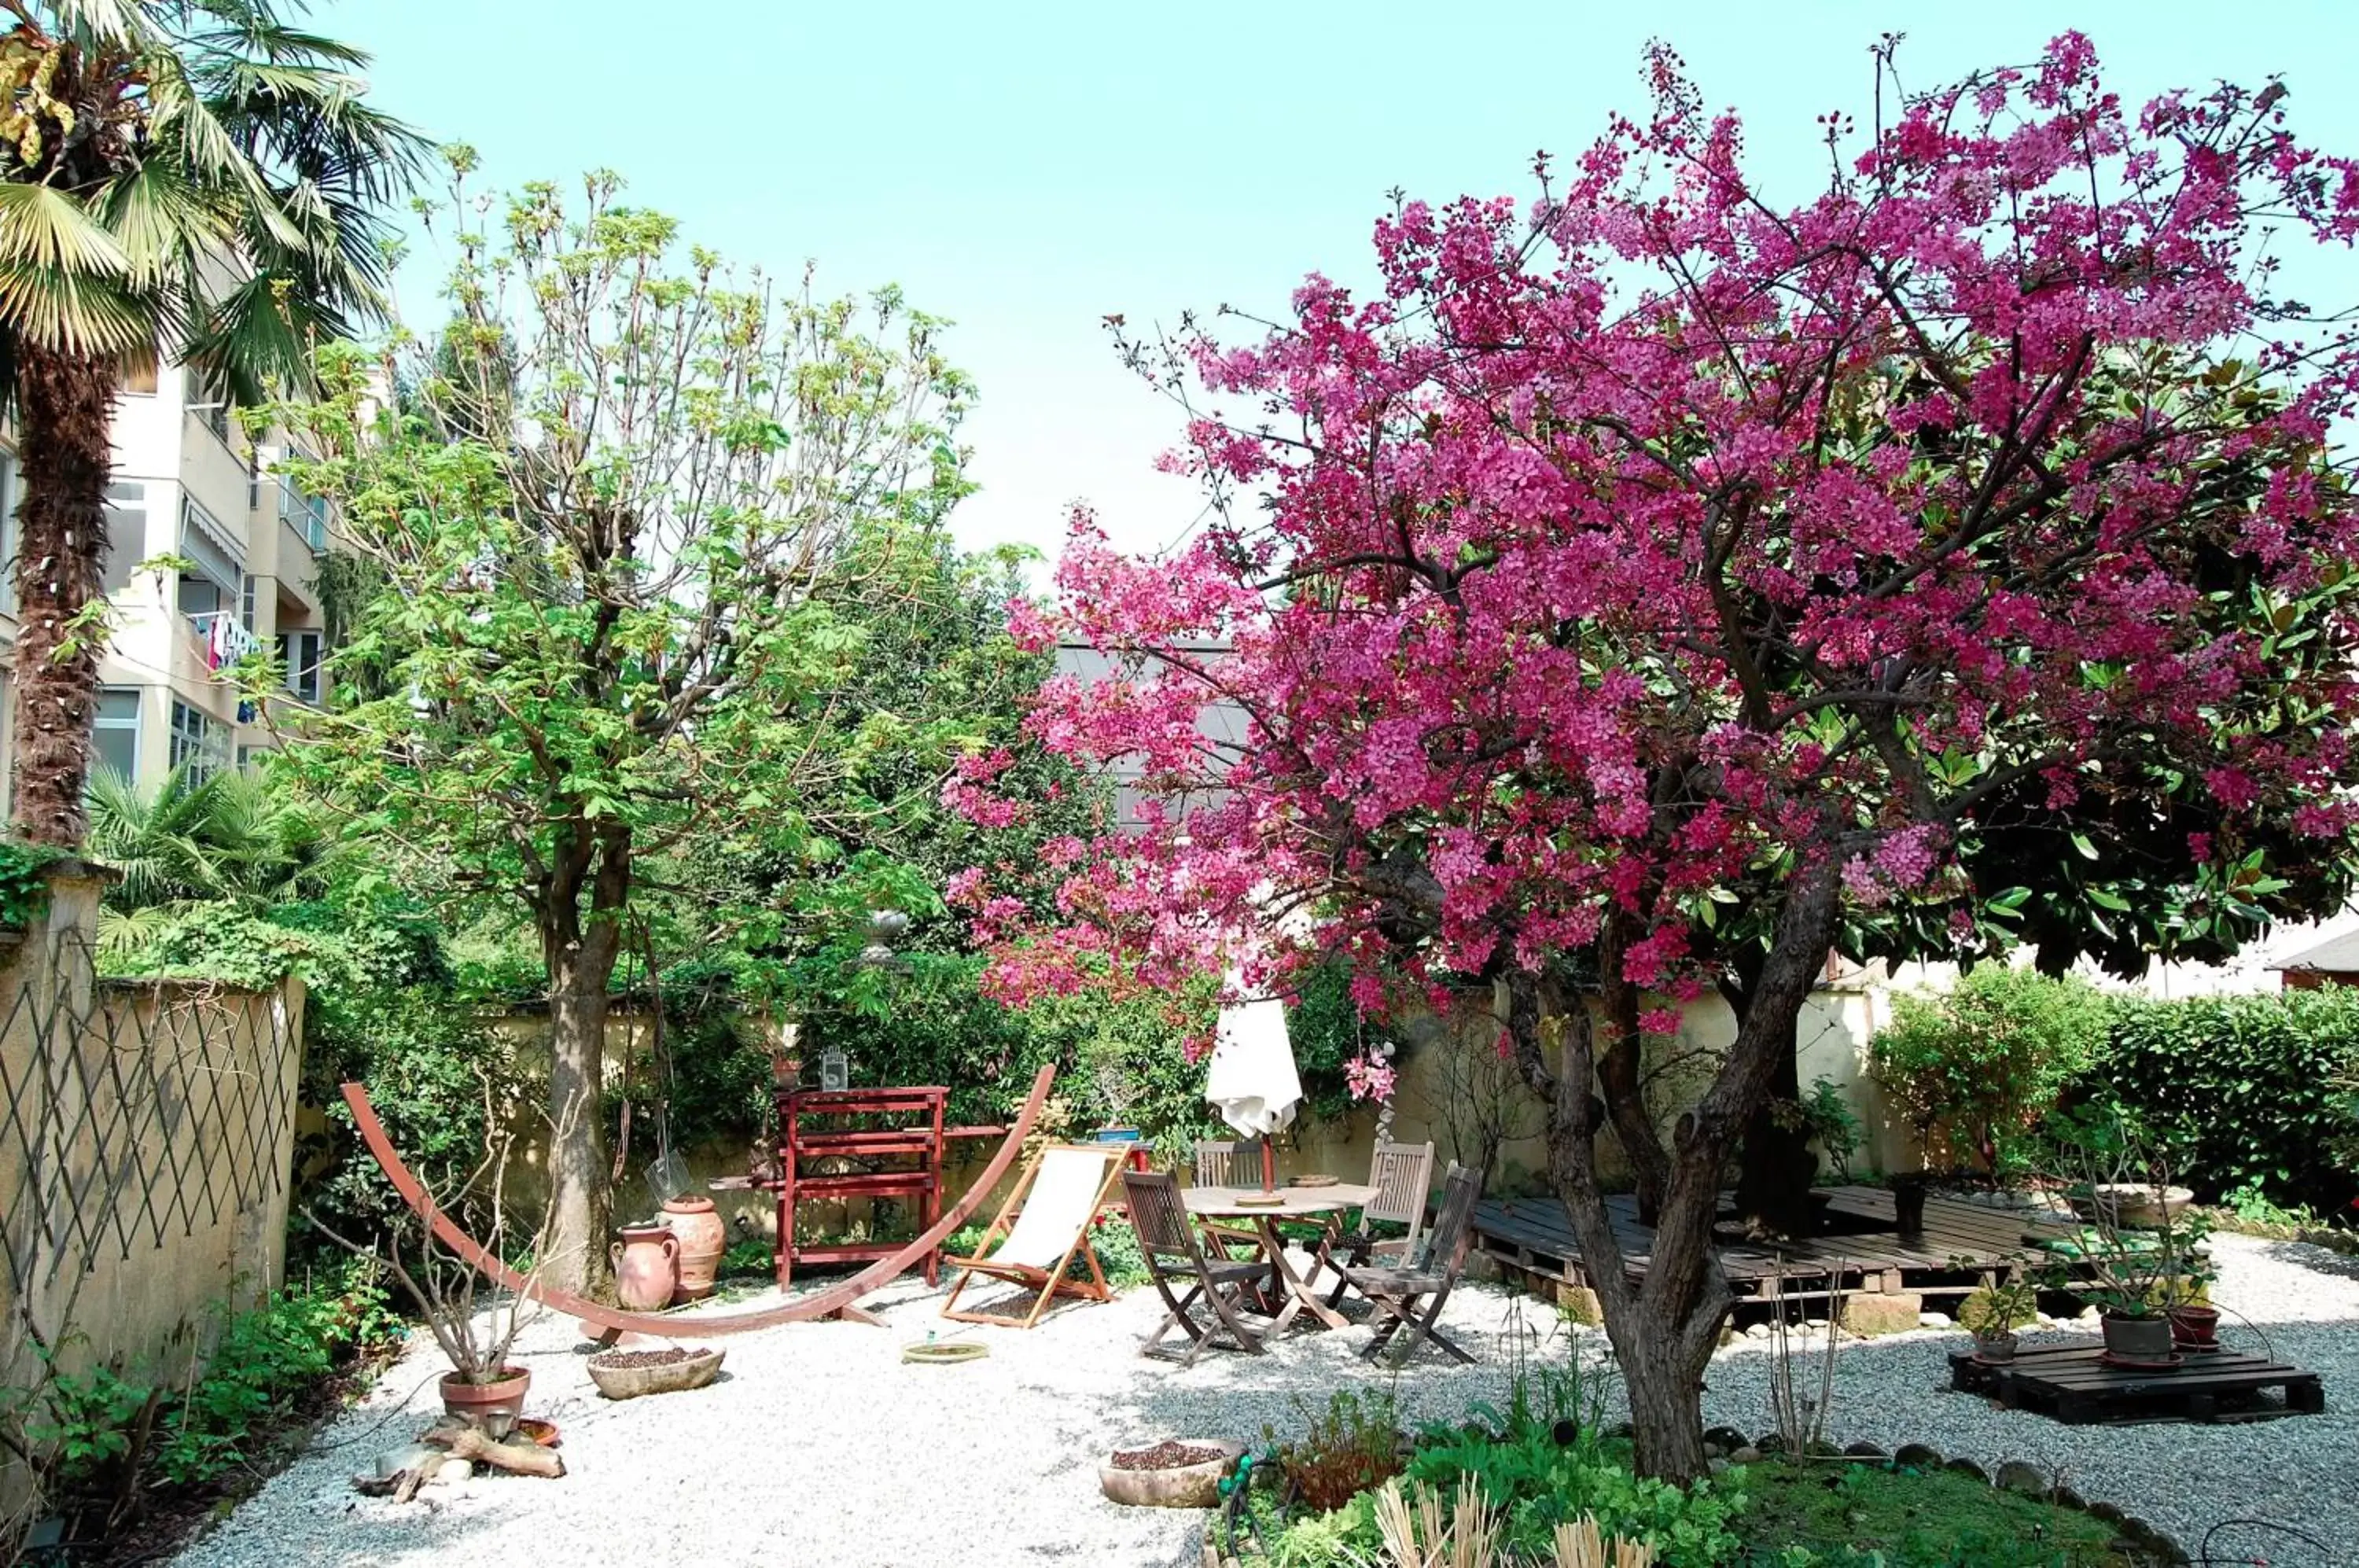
{"x":193,"y":742}
{"x":213,"y":405}
{"x":115,"y":732}
{"x":301,"y":652}
{"x":246,"y":601}
{"x":306,"y":514}
{"x":126,"y":533}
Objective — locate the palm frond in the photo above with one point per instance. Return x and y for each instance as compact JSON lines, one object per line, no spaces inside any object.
{"x":105,"y":24}
{"x":158,"y":218}
{"x":126,"y":934}
{"x":44,"y":227}
{"x":73,"y":312}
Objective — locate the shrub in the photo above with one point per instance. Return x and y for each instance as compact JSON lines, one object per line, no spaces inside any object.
{"x":1353,"y":1446}
{"x":1972,"y":1069}
{"x":100,"y":1433}
{"x":2239,"y":1093}
{"x":1541,"y":1484}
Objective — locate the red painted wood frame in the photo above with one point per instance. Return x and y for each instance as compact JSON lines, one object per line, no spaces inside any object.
{"x":895,"y":1135}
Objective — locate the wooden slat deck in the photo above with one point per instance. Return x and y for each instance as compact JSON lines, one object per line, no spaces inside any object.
{"x":1960,"y":1243}
{"x":2070,"y":1383}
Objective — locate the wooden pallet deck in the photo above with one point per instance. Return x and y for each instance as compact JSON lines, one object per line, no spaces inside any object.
{"x":2070,"y":1383}
{"x":1866,"y":1253}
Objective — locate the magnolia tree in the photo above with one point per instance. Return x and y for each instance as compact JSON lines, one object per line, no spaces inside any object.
{"x":1655,"y":581}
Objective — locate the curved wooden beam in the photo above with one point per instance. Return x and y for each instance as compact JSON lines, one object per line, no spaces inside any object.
{"x":835,"y":1299}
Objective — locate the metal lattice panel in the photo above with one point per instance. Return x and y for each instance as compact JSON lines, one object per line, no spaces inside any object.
{"x":138,"y":1114}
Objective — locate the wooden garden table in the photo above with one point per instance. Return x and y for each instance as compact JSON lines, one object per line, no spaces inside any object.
{"x":1294,"y":1204}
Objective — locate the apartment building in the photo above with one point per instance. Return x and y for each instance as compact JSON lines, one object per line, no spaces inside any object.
{"x":189,"y":484}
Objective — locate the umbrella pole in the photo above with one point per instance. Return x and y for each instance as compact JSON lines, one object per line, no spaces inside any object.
{"x":1268,"y":1163}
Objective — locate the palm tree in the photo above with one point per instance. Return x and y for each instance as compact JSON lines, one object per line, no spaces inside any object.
{"x":196,"y":178}
{"x":236,"y":838}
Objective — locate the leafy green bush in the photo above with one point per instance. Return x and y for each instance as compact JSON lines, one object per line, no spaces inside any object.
{"x":1971,"y":1069}
{"x":261,"y":1358}
{"x":1542,"y":1484}
{"x":2239,"y":1092}
{"x":24,"y":890}
{"x":103,"y":1433}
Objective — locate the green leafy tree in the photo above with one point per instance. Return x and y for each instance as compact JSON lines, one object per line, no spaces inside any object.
{"x":614,"y":519}
{"x":197,"y":177}
{"x":1973,"y":1069}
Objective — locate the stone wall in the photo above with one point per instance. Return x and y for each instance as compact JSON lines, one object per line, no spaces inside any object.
{"x":146,"y":1130}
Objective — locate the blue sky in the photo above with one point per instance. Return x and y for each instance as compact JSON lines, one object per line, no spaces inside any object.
{"x":1027,"y":168}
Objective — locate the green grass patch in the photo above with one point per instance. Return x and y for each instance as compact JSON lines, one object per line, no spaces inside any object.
{"x":1842,"y":1512}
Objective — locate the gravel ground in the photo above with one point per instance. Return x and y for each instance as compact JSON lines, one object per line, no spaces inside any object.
{"x":819,"y":1448}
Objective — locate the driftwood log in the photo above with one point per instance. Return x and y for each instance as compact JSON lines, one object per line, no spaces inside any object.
{"x":403,"y":1484}
{"x":519,"y":1456}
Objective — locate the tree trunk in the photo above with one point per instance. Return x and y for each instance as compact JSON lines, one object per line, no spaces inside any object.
{"x":573,"y":1245}
{"x":65,"y":404}
{"x":1664,"y":1327}
{"x":1776,"y":1168}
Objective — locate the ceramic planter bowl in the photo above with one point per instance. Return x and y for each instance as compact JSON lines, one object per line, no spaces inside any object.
{"x":2137,"y":1339}
{"x":1184,"y":1487}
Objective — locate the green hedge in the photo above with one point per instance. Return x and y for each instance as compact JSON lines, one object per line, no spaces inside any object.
{"x":2242,"y":1091}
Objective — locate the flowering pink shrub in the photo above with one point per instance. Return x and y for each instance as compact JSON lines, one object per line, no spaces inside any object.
{"x":1655,"y":578}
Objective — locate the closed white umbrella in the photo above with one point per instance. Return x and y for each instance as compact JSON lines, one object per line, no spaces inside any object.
{"x":1252,"y":1081}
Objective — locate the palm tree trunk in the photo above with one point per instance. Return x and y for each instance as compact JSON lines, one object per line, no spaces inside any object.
{"x":65,"y":403}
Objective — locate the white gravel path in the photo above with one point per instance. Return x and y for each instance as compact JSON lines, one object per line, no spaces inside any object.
{"x":819,"y":1448}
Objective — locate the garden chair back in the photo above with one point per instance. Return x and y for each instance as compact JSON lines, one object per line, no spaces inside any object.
{"x":1402,"y":1174}
{"x":1226,"y":1163}
{"x":1202,"y":1294}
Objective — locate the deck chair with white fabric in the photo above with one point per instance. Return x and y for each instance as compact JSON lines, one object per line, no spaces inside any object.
{"x":1041,"y":1230}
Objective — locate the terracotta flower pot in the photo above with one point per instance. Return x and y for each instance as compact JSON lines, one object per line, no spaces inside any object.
{"x":493,"y":1406}
{"x":646,"y":1267}
{"x":703,"y":1239}
{"x":2195,"y":1327}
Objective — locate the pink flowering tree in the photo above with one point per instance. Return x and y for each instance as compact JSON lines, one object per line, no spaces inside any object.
{"x":1653,"y":585}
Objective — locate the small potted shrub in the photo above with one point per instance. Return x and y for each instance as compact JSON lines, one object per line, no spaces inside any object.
{"x":475,"y":1323}
{"x":2134,"y":1266}
{"x":1992,"y":1314}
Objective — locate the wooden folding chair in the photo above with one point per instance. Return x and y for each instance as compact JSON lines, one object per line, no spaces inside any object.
{"x":1221,"y":1162}
{"x":1402,"y":1174}
{"x":1041,"y":1228}
{"x":1167,"y":1242}
{"x":1412,"y":1296}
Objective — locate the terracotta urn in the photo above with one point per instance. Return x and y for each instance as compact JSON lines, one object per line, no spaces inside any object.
{"x":646,"y":1267}
{"x":702,"y":1238}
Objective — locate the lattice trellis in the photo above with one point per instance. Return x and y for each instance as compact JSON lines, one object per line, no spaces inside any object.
{"x":145,"y":1112}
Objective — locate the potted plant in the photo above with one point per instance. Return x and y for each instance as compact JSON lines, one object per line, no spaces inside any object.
{"x":474,"y":1325}
{"x":1992,"y":1314}
{"x":2187,"y":1291}
{"x":2133,"y":1267}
